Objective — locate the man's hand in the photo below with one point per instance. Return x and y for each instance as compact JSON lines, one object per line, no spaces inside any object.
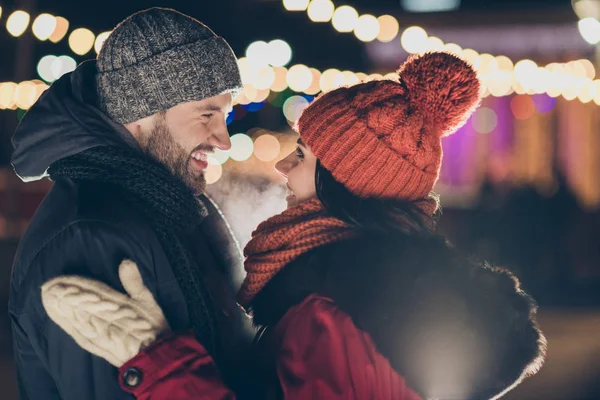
{"x":103,"y":321}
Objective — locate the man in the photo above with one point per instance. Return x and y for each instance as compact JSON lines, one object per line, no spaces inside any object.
{"x":126,"y":139}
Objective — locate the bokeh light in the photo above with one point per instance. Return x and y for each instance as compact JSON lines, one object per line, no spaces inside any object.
{"x":7,"y":94}
{"x":587,"y":92}
{"x":100,"y":39}
{"x":414,"y":39}
{"x":453,"y":48}
{"x":61,"y":29}
{"x":265,"y":78}
{"x":43,"y":26}
{"x":504,"y":63}
{"x":258,"y":53}
{"x":293,"y":107}
{"x":260,"y":96}
{"x":280,"y":81}
{"x":295,"y":5}
{"x":485,"y":120}
{"x":367,"y":28}
{"x":266,"y":148}
{"x":299,"y":78}
{"x":280,"y":53}
{"x":17,"y":23}
{"x":218,"y":157}
{"x":434,"y":43}
{"x":522,"y":107}
{"x":81,"y":41}
{"x":320,"y":10}
{"x":213,"y":173}
{"x":388,"y":28}
{"x":350,"y":78}
{"x":315,"y":86}
{"x":328,"y":79}
{"x":242,"y":147}
{"x":62,"y":65}
{"x":44,"y":68}
{"x":589,"y":28}
{"x":487,"y":64}
{"x":25,"y":94}
{"x":345,"y":19}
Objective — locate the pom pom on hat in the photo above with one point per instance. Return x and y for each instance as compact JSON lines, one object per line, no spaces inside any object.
{"x":443,"y":87}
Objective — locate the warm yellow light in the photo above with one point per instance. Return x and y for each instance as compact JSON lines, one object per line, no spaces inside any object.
{"x":39,"y":89}
{"x":367,"y":28}
{"x":250,"y":93}
{"x":588,"y":91}
{"x":320,"y":10}
{"x":328,"y":79}
{"x":25,"y":95}
{"x":315,"y":86}
{"x":280,"y":81}
{"x":299,"y":78}
{"x":261,"y":95}
{"x":61,"y":29}
{"x":504,"y":63}
{"x":213,"y":173}
{"x":81,"y":41}
{"x":434,"y":44}
{"x":362,"y":77}
{"x":487,"y":64}
{"x":453,"y":48}
{"x":388,"y":28}
{"x":295,"y":5}
{"x":100,"y":39}
{"x":414,"y":39}
{"x":472,"y":57}
{"x":392,"y":76}
{"x":350,"y":78}
{"x":525,"y":71}
{"x":43,"y":26}
{"x":7,"y":94}
{"x":499,"y":83}
{"x":266,"y":148}
{"x":590,"y":70}
{"x":248,"y":70}
{"x":264,"y":78}
{"x":597,"y":89}
{"x":344,"y":19}
{"x":375,"y":77}
{"x":17,"y":23}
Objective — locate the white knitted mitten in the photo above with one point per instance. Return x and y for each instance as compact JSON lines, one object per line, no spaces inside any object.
{"x":103,"y":321}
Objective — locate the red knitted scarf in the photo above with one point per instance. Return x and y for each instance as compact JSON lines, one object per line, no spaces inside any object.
{"x":283,"y":238}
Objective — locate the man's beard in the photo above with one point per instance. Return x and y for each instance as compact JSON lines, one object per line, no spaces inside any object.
{"x":161,"y":146}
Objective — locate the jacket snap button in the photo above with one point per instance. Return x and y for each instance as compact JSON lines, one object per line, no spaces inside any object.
{"x":132,"y":377}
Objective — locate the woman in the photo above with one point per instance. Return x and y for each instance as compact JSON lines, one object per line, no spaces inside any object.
{"x":356,"y":296}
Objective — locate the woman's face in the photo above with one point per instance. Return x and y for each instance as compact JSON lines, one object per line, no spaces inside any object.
{"x":299,"y":168}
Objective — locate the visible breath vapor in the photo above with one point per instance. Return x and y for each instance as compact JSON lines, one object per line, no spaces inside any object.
{"x":246,"y":201}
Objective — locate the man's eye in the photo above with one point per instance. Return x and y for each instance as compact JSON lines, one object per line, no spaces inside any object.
{"x":207,"y":115}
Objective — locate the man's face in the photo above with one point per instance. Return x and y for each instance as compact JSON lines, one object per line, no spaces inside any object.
{"x":183,"y":136}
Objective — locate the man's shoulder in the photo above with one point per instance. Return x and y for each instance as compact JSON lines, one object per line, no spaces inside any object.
{"x":75,"y":229}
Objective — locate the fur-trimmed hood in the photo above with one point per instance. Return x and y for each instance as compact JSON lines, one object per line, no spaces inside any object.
{"x":452,"y":327}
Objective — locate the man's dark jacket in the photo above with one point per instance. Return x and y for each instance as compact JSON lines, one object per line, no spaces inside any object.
{"x":87,"y":229}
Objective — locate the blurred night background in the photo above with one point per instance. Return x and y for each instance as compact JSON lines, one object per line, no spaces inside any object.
{"x":520,"y":184}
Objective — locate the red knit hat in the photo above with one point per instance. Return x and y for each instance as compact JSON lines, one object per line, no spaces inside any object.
{"x":382,"y":138}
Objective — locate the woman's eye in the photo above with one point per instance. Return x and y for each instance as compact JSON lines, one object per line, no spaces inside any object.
{"x":299,"y":153}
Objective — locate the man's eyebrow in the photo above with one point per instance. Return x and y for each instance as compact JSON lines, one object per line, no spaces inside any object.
{"x":209,"y":107}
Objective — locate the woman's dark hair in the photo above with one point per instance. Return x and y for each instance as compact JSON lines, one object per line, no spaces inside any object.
{"x":372,"y":214}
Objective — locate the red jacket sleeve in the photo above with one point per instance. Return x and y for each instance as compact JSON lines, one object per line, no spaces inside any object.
{"x":175,"y":367}
{"x":323,"y":355}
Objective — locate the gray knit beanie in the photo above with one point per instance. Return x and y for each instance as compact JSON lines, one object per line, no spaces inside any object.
{"x":159,"y":58}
